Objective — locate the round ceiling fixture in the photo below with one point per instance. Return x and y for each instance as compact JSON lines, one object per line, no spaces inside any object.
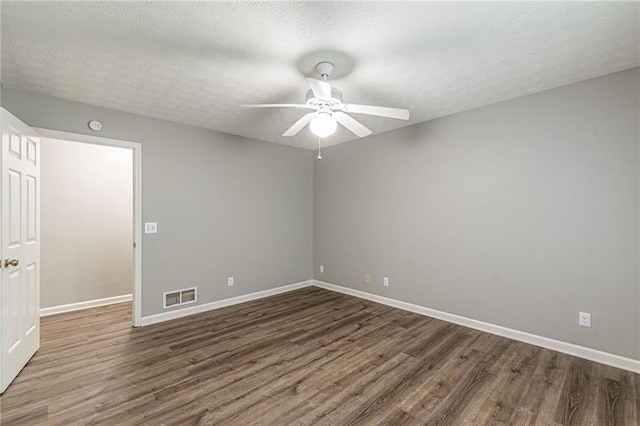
{"x":95,"y":125}
{"x":323,"y":125}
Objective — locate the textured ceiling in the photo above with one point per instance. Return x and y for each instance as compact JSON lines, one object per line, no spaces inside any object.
{"x":195,"y":63}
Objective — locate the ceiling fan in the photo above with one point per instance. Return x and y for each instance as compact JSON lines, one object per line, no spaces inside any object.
{"x":326,"y":101}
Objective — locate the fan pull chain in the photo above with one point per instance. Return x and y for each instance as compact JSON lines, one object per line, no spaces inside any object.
{"x":319,"y":152}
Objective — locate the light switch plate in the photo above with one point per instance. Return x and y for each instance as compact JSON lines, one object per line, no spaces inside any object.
{"x":150,"y":228}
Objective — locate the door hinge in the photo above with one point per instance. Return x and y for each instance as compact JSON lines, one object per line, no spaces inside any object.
{"x":134,"y":244}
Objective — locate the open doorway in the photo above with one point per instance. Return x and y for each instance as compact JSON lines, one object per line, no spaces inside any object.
{"x":90,"y":222}
{"x":86,"y":217}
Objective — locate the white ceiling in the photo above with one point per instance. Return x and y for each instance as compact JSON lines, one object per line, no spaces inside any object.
{"x":195,"y":63}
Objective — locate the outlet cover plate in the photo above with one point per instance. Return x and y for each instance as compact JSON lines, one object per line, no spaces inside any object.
{"x":584,"y":319}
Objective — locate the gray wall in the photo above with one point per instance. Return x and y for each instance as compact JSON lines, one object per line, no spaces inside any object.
{"x":86,"y":222}
{"x":520,"y":214}
{"x":225,"y":205}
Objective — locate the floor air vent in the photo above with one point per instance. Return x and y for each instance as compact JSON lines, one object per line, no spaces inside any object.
{"x":179,"y":297}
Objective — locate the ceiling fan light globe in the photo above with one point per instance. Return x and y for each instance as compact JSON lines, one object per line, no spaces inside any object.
{"x":323,"y":125}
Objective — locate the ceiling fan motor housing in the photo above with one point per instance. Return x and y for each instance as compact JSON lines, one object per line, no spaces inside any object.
{"x":336,"y":95}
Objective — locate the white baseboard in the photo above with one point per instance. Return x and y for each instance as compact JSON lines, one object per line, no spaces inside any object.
{"x":85,"y":305}
{"x":545,"y":342}
{"x":166,"y":316}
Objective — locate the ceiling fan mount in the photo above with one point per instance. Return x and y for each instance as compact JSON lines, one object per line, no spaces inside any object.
{"x":324,"y":69}
{"x":329,"y":108}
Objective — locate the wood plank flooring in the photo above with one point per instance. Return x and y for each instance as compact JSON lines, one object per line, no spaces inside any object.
{"x":305,"y":357}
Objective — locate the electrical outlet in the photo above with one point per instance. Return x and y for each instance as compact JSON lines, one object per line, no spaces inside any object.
{"x":367,"y":278}
{"x":150,"y":228}
{"x":321,"y":269}
{"x":584,"y":319}
{"x":230,"y":282}
{"x":386,"y":281}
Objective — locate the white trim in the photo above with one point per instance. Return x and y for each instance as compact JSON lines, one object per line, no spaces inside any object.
{"x":613,"y":360}
{"x":179,"y":313}
{"x":136,"y":147}
{"x":84,"y":305}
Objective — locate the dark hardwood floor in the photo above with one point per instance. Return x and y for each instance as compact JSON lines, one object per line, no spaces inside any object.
{"x":305,"y":357}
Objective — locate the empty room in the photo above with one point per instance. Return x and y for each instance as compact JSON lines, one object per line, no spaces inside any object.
{"x":320,"y":213}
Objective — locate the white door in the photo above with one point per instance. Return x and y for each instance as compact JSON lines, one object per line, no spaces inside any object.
{"x":20,"y":249}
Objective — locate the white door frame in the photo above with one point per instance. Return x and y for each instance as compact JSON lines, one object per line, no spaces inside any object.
{"x":136,"y":147}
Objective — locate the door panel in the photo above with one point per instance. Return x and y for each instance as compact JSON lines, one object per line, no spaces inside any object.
{"x":33,"y":317}
{"x":32,"y":150}
{"x":20,"y":248}
{"x":15,"y":146}
{"x":31,"y":198}
{"x":15,"y":296}
{"x":14,"y":207}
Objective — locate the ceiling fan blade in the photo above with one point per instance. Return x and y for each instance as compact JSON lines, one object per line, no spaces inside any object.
{"x":276,"y":106}
{"x":298,"y":125}
{"x":321,"y":89}
{"x":397,"y":113}
{"x":351,"y":124}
